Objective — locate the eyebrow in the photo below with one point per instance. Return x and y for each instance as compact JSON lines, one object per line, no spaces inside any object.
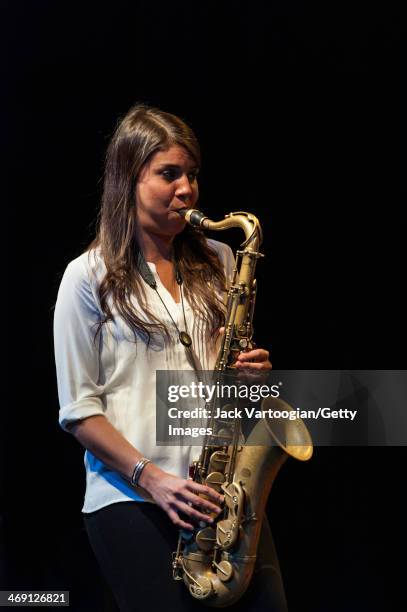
{"x":176,"y":166}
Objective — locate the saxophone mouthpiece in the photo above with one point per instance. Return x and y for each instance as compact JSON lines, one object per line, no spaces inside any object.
{"x":193,"y":216}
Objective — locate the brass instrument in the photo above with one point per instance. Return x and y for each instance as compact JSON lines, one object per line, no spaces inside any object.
{"x":216,"y":562}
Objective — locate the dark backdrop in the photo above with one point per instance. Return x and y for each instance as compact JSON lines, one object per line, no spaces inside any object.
{"x":300,"y":112}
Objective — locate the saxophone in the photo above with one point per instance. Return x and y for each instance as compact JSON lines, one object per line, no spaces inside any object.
{"x":216,"y":562}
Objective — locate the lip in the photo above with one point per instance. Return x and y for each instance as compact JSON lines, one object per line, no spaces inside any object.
{"x":178,"y":209}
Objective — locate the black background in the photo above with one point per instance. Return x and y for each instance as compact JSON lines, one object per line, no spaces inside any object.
{"x":300,"y":111}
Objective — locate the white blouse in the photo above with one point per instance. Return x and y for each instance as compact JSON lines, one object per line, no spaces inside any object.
{"x":115,"y":376}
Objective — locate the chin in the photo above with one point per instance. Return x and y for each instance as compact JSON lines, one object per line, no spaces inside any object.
{"x":176,"y":222}
{"x":179,"y":230}
{"x":172,"y":228}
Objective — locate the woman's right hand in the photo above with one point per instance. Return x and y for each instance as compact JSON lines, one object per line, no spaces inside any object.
{"x":175,"y":495}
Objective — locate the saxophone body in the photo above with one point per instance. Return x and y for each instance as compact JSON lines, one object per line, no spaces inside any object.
{"x":216,"y":562}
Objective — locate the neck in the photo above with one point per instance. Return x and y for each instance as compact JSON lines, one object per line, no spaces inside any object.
{"x":155,"y":248}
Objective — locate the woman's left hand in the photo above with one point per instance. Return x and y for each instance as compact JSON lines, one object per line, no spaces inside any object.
{"x":256,"y":359}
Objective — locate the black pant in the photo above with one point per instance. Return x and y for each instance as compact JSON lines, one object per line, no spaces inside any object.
{"x":133,"y":543}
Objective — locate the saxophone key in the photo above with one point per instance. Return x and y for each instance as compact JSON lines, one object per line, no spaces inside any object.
{"x":218,"y":461}
{"x":206,"y":539}
{"x":215,"y":480}
{"x":224,"y":570}
{"x":233,"y":495}
{"x":201,"y":589}
{"x":226,"y":534}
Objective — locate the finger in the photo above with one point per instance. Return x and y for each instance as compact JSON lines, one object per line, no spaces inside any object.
{"x":201,"y":502}
{"x":248,"y":376}
{"x":193,"y":512}
{"x":249,"y":365}
{"x":177,"y":521}
{"x":195,"y":487}
{"x":199,"y":488}
{"x":257,"y":354}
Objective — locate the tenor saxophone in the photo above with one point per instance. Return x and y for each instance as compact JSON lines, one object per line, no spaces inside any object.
{"x":216,"y":562}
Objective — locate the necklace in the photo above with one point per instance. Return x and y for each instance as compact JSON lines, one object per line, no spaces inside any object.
{"x":148,"y":277}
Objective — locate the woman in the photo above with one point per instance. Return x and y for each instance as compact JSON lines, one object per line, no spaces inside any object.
{"x":122,"y":309}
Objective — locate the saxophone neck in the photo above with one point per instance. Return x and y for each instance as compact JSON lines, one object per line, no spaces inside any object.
{"x":242,"y":290}
{"x":246,"y":221}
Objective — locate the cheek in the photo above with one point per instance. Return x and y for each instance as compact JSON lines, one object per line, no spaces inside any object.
{"x":153,"y":196}
{"x":195,"y":193}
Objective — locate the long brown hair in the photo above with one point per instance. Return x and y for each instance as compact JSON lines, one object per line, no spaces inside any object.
{"x":141,"y":133}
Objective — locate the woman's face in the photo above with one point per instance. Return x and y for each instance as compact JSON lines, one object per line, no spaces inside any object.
{"x":166,"y":183}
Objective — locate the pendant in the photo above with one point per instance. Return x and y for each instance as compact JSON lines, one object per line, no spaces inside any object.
{"x":185,"y":339}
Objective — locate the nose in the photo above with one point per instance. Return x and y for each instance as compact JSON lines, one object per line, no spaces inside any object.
{"x":184,"y":189}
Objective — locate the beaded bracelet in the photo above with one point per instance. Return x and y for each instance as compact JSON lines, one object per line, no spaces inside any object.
{"x":138,"y":468}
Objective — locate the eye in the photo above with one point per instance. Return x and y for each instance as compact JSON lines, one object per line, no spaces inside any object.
{"x":170,"y":174}
{"x":192,"y":176}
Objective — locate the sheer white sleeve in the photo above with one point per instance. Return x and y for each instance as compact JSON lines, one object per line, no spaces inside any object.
{"x":77,"y":361}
